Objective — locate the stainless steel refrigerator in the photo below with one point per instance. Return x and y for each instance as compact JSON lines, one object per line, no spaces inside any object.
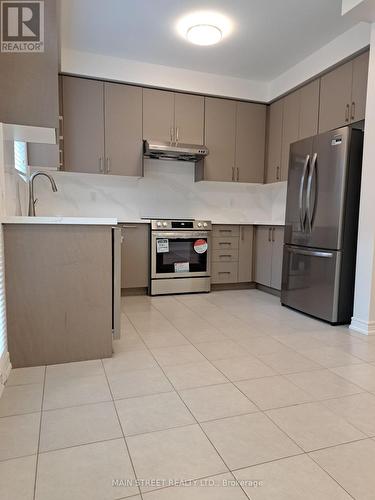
{"x":322,"y":224}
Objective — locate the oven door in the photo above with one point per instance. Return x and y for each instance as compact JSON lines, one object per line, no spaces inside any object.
{"x":180,"y":254}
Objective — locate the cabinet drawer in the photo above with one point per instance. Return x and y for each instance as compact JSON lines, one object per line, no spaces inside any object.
{"x":225,"y":255}
{"x":224,"y":272}
{"x":219,"y":230}
{"x":225,"y":243}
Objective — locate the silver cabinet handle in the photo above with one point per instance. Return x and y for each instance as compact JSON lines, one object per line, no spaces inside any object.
{"x":232,"y":173}
{"x":347,"y":112}
{"x":101,"y":169}
{"x":225,"y":230}
{"x":177,"y":134}
{"x":108,"y":165}
{"x":242,"y":233}
{"x":273,"y":234}
{"x":353,"y":111}
{"x":269,"y":233}
{"x":238,"y":174}
{"x":224,"y":272}
{"x":225,"y":243}
{"x":278,"y":173}
{"x":225,"y":255}
{"x":171,"y":135}
{"x":129,"y":227}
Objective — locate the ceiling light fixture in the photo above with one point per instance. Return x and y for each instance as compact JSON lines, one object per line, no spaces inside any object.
{"x":204,"y":34}
{"x":204,"y":27}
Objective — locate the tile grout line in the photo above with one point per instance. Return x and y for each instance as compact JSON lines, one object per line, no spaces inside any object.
{"x":122,"y":431}
{"x":40,"y":432}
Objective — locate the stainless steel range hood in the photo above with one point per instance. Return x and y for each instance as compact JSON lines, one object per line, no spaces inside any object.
{"x":174,"y":151}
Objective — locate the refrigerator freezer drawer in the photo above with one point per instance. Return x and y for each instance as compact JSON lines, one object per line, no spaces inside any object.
{"x":311,"y":281}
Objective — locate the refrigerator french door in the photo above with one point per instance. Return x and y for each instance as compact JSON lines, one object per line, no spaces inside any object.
{"x":321,"y":224}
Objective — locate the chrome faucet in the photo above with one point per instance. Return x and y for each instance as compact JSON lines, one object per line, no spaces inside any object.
{"x":32,"y":202}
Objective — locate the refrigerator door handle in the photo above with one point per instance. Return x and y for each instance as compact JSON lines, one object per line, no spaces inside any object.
{"x":310,"y":253}
{"x":309,"y":212}
{"x":302,"y":215}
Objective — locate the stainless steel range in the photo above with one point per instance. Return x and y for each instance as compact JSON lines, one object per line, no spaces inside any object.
{"x":180,"y":256}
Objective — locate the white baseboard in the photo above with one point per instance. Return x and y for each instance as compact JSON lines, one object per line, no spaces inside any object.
{"x":5,"y":368}
{"x":364,"y":327}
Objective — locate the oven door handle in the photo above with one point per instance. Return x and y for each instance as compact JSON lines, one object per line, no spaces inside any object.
{"x":169,"y":235}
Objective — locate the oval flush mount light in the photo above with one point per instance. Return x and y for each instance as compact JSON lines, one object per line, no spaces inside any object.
{"x":204,"y":34}
{"x":204,"y":27}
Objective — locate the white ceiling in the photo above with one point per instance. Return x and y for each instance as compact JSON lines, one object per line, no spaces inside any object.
{"x":268,"y":38}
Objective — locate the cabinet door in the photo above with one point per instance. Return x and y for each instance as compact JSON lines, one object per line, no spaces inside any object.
{"x":245,"y":254}
{"x":158,"y":115}
{"x":123,"y":129}
{"x":135,"y":256}
{"x":250,"y":141}
{"x":277,"y":256}
{"x":83,"y":113}
{"x":309,"y":109}
{"x":359,"y":89}
{"x":189,"y":118}
{"x":291,"y":113}
{"x":220,"y":132}
{"x":335,"y":97}
{"x":275,"y":126}
{"x":263,"y":255}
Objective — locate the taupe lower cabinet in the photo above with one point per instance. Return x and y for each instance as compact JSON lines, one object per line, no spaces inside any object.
{"x":232,"y":254}
{"x":135,"y":255}
{"x":173,"y":116}
{"x":235,"y":137}
{"x":343,"y":94}
{"x":102,"y":127}
{"x":269,"y":241}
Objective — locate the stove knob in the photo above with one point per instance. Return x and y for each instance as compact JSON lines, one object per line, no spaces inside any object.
{"x":205,"y":224}
{"x":199,"y":224}
{"x":158,"y":223}
{"x":165,"y":224}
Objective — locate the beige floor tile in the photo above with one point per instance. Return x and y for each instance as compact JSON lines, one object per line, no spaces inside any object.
{"x":221,"y":487}
{"x":62,"y":392}
{"x":129,"y":361}
{"x":17,"y":478}
{"x":329,"y":356}
{"x":78,"y":425}
{"x":358,"y":410}
{"x":177,"y":355}
{"x":248,"y":440}
{"x":90,"y":368}
{"x":221,"y":350}
{"x":244,"y":367}
{"x":138,"y":383}
{"x":273,"y":392}
{"x":174,"y":455}
{"x":323,"y":384}
{"x":362,"y":375}
{"x":217,"y":401}
{"x":194,"y":375}
{"x":153,"y":413}
{"x":288,"y":362}
{"x":198,"y":336}
{"x":362,"y":350}
{"x":262,"y":345}
{"x":164,"y":339}
{"x":312,"y":426}
{"x":301,"y":340}
{"x":85,"y":472}
{"x":19,"y":399}
{"x":352,"y":466}
{"x":127,"y":343}
{"x":19,"y":435}
{"x":293,"y":478}
{"x":22,"y":376}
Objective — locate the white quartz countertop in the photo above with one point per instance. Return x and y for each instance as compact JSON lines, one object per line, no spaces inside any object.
{"x":88,"y":221}
{"x":232,"y":223}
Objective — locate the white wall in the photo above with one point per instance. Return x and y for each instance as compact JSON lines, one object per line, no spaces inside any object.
{"x":167,"y":190}
{"x":124,"y":70}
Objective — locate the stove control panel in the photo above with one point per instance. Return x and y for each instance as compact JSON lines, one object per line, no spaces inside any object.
{"x":181,"y":225}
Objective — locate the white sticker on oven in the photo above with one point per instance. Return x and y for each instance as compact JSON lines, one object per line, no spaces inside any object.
{"x":181,"y":267}
{"x":162,"y":246}
{"x":200,"y":246}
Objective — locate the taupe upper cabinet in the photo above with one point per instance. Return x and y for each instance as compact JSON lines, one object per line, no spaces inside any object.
{"x":123,"y":129}
{"x":175,"y":117}
{"x":250,"y":142}
{"x":220,"y":134}
{"x":290,"y":130}
{"x":189,"y":118}
{"x":158,"y":115}
{"x":275,"y":127}
{"x":309,"y":109}
{"x":83,"y":113}
{"x":343,"y":94}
